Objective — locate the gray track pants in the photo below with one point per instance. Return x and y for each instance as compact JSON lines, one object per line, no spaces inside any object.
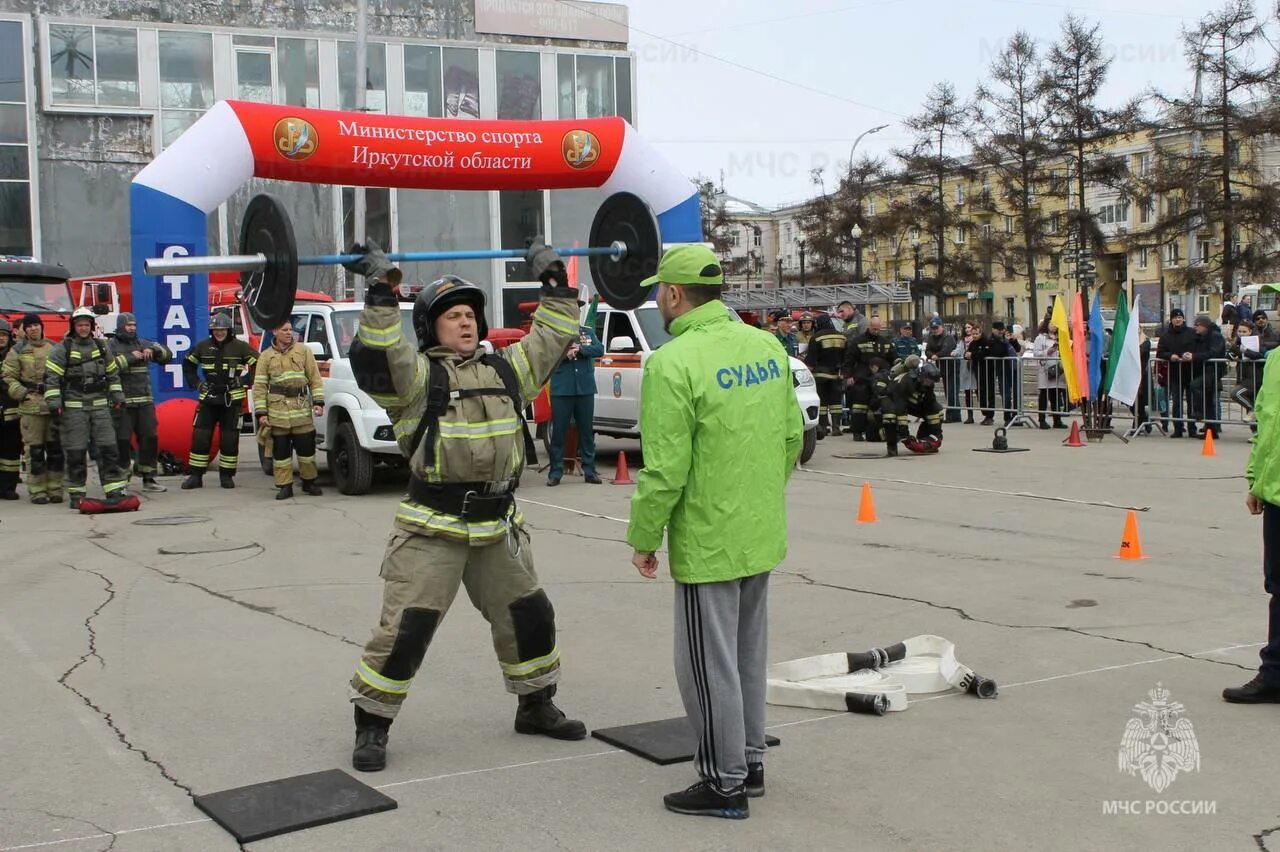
{"x":720,"y":650}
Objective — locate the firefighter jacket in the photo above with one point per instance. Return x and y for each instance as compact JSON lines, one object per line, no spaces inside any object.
{"x":907,"y":395}
{"x":864,"y":357}
{"x":282,"y":382}
{"x":227,"y":368}
{"x":8,"y":402}
{"x":82,"y":373}
{"x":826,"y":353}
{"x":479,"y":439}
{"x":722,"y":431}
{"x":24,"y":374}
{"x":135,"y":373}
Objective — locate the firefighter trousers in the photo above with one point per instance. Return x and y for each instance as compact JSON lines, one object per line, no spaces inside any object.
{"x":137,"y":421}
{"x":10,"y":455}
{"x":40,"y":434}
{"x":227,"y":419}
{"x":82,"y":427}
{"x":831,"y":410}
{"x":421,"y":576}
{"x":286,"y":440}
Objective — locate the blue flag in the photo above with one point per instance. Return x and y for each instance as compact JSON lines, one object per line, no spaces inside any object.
{"x":1096,"y":344}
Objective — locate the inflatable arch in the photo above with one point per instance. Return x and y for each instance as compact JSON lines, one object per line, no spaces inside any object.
{"x":171,"y":199}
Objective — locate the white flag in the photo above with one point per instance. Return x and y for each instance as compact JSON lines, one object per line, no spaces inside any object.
{"x":1128,"y":375}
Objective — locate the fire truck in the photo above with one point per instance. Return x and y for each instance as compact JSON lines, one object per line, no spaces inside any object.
{"x":28,"y":286}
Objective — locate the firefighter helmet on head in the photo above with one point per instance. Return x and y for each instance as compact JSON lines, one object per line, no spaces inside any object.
{"x":219,"y":320}
{"x":439,"y":295}
{"x":5,"y":327}
{"x":82,"y":313}
{"x":929,"y":373}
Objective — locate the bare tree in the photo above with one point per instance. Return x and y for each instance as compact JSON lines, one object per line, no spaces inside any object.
{"x":1080,"y":131}
{"x":926,"y":167}
{"x":716,"y":221}
{"x":827,"y":220}
{"x":1210,"y":166}
{"x":1009,"y":143}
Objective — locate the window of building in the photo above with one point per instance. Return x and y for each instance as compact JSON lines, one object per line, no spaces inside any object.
{"x":1009,"y":270}
{"x":1009,"y":224}
{"x":1114,"y":214}
{"x":298,"y":71}
{"x":423,"y":81}
{"x":15,"y":157}
{"x":519,"y":84}
{"x":960,"y":234}
{"x":1055,"y":263}
{"x":959,"y":195}
{"x":1202,"y":303}
{"x":871,"y":207}
{"x":461,"y":80}
{"x":733,"y":239}
{"x":520,"y":220}
{"x":756,"y":237}
{"x":186,"y":80}
{"x":986,"y":231}
{"x":1171,"y":254}
{"x":1144,"y":257}
{"x":1206,"y":251}
{"x":93,"y":66}
{"x":377,"y":222}
{"x":255,"y":74}
{"x":1147,"y":212}
{"x":375,"y":90}
{"x":592,"y":86}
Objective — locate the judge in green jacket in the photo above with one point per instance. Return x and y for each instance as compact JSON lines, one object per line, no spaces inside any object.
{"x":722,"y":430}
{"x":573,"y":398}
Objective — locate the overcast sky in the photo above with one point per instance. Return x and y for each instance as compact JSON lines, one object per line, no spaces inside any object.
{"x":871,"y":61}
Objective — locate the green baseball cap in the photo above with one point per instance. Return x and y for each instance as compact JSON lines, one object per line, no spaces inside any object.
{"x":691,"y":263}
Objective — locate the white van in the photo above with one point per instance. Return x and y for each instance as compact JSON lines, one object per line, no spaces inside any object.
{"x":628,"y":337}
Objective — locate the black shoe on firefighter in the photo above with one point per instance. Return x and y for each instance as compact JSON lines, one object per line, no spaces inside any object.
{"x":1256,"y":691}
{"x":703,"y":799}
{"x":285,"y":492}
{"x":370,"y":754}
{"x":892,"y":447}
{"x":226,"y":479}
{"x":40,"y":500}
{"x":75,"y":503}
{"x":538,"y":714}
{"x":309,"y":487}
{"x":193,"y":480}
{"x":55,"y":498}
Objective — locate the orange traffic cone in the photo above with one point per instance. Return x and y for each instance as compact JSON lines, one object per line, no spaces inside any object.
{"x":622,"y":476}
{"x":867,"y":509}
{"x":1073,"y":440}
{"x":1208,"y":444}
{"x":1131,"y":544}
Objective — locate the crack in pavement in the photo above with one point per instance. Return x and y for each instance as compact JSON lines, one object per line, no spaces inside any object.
{"x":575,"y":534}
{"x":1261,"y":837}
{"x":64,"y":681}
{"x":263,"y":610}
{"x":965,"y":616}
{"x":103,"y":832}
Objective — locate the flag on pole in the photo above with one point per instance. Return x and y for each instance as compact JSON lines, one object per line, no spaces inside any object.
{"x":1118,"y":332}
{"x":1126,"y":363}
{"x":1059,"y":321}
{"x":1097,"y":340}
{"x":1078,"y":345}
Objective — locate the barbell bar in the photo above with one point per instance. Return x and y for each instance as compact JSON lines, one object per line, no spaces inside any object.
{"x":623,"y":251}
{"x":258,"y":262}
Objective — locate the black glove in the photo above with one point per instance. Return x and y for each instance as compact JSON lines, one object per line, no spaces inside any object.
{"x":547,"y":266}
{"x":380,"y":294}
{"x":373,"y":263}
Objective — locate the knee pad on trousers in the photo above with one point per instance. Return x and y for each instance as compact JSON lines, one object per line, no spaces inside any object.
{"x":534,"y":620}
{"x":281,"y":447}
{"x":305,"y":444}
{"x":53,"y":457}
{"x":37,"y":457}
{"x":417,"y":626}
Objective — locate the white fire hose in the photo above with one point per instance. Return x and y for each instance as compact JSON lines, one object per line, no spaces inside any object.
{"x":874,"y":681}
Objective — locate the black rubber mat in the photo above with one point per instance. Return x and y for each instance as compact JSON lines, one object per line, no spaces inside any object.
{"x":664,"y":742}
{"x":292,"y":804}
{"x":1010,"y":450}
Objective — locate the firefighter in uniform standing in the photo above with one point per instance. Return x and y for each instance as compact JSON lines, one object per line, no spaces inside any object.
{"x":82,"y":386}
{"x":10,"y":432}
{"x":24,"y":376}
{"x":910,"y":394}
{"x":860,"y":362}
{"x":456,"y":415}
{"x":825,"y":357}
{"x":286,"y":374}
{"x":138,"y":415}
{"x":227,"y":363}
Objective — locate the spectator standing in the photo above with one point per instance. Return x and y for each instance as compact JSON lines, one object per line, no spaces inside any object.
{"x":1051,"y":387}
{"x":939,"y":347}
{"x":1207,"y":351}
{"x":1175,"y":347}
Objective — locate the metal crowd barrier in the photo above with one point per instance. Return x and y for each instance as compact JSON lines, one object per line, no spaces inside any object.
{"x":1178,"y":397}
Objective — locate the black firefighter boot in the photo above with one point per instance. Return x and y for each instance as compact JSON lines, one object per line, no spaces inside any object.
{"x":537,"y":714}
{"x":309,"y":487}
{"x":195,"y":479}
{"x":892,"y":446}
{"x":227,"y":479}
{"x":370,"y":754}
{"x":285,"y":492}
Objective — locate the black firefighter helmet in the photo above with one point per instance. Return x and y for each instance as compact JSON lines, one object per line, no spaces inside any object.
{"x":439,"y":295}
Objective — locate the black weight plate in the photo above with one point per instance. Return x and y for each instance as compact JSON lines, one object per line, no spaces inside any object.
{"x":624,"y":217}
{"x":266,"y":230}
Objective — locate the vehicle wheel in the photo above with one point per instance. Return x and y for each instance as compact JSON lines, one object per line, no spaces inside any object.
{"x":810,"y":443}
{"x":265,"y":461}
{"x":350,"y":463}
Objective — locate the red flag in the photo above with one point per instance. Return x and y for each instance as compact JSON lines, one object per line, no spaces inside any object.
{"x":1077,"y":343}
